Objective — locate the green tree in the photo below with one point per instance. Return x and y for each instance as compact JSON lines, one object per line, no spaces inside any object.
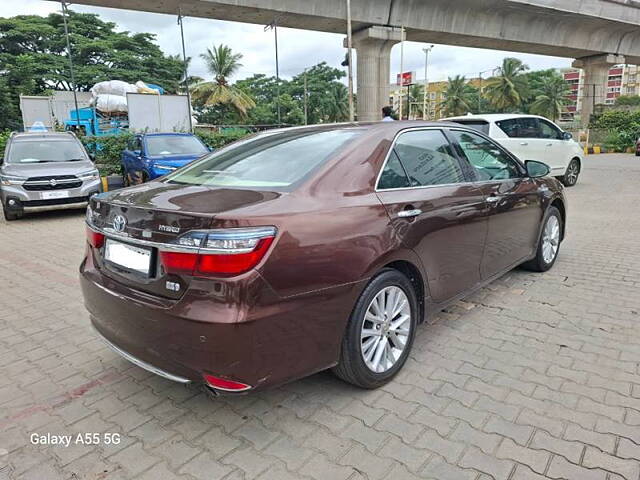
{"x":33,"y":57}
{"x":509,"y":89}
{"x":551,"y":97}
{"x":324,"y":99}
{"x":222,"y":63}
{"x":459,"y":97}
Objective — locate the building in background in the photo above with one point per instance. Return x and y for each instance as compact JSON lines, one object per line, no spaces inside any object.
{"x":621,"y":80}
{"x":435,"y":96}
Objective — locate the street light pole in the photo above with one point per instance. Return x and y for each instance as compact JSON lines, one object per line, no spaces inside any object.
{"x":350,"y":66}
{"x":401,"y":68}
{"x":274,"y":26}
{"x":185,"y":69}
{"x":426,"y":81}
{"x":73,"y":81}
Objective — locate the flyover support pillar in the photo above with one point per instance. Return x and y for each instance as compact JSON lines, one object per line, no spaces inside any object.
{"x":373,"y":50}
{"x":594,"y":84}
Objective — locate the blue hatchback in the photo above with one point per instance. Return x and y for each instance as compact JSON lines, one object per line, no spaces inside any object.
{"x":152,"y":155}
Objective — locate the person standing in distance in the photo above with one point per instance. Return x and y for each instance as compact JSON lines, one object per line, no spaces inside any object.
{"x":386,"y":114}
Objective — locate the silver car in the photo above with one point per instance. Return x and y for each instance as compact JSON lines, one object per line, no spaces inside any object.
{"x":45,"y":171}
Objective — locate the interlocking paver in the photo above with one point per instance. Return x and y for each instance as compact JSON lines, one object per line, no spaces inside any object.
{"x":534,"y":376}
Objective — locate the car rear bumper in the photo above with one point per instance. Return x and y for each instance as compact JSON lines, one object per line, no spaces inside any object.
{"x":264,"y":341}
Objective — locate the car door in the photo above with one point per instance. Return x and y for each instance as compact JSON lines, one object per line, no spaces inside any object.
{"x":523,"y":138}
{"x":557,"y":150}
{"x":436,"y":209}
{"x":513,"y":202}
{"x":132,"y":159}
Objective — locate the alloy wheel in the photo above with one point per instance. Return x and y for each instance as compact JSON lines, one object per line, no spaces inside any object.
{"x":550,"y":239}
{"x":572,"y":173}
{"x":385,"y":329}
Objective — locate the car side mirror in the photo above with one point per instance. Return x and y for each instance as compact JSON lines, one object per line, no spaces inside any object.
{"x":567,"y":136}
{"x":536,"y":169}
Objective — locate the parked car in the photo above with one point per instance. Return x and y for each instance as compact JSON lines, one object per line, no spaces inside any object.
{"x":530,"y":137}
{"x":309,"y":248}
{"x":45,"y":171}
{"x":152,"y":155}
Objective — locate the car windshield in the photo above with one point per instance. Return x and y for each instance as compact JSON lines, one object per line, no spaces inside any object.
{"x":268,"y":160}
{"x":41,"y":151}
{"x":174,"y":145}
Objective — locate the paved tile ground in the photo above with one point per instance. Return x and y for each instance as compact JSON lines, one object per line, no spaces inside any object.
{"x":536,"y":376}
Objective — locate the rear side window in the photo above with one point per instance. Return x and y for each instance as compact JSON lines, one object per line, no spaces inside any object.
{"x":526,"y":127}
{"x":428,"y":158}
{"x":268,"y":161}
{"x":479,"y":125}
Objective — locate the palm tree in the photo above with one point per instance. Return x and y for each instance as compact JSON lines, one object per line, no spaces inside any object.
{"x":222,"y":63}
{"x":508,"y":89}
{"x":551,"y":97}
{"x":337,"y":105}
{"x":458,"y":96}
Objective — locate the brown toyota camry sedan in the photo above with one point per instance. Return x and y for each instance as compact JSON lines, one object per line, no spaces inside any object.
{"x":303,"y":249}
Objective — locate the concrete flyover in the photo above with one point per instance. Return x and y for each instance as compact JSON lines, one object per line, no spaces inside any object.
{"x":596,"y":32}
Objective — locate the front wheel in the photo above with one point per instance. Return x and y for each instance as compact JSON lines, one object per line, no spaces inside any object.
{"x":380,"y":331}
{"x":548,"y":244}
{"x":9,"y":216}
{"x":570,"y":177}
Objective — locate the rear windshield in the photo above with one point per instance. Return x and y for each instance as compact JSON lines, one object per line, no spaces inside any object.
{"x":174,"y":145}
{"x":268,"y":161}
{"x":41,"y":151}
{"x":479,"y":125}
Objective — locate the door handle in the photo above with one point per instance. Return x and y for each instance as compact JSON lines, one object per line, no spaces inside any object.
{"x":492,"y":199}
{"x":549,"y":144}
{"x":524,"y":143}
{"x":409,"y":213}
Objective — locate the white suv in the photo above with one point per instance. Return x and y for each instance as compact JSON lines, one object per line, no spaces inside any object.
{"x":530,"y":137}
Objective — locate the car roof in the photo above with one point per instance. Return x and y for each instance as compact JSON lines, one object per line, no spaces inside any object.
{"x":36,"y":136}
{"x":490,"y":117}
{"x":166,"y":134}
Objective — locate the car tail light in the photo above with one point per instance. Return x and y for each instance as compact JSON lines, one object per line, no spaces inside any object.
{"x":218,"y":252}
{"x":95,"y":239}
{"x":224,"y":384}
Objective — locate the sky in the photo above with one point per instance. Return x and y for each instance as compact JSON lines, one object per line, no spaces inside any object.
{"x":297,"y":49}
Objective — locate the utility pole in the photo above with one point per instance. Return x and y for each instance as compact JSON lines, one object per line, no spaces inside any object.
{"x":426,"y":81}
{"x":480,"y":93}
{"x":274,"y":26}
{"x":350,"y":66}
{"x":401,"y":67}
{"x":305,"y":98}
{"x":73,"y":81}
{"x":184,"y":66}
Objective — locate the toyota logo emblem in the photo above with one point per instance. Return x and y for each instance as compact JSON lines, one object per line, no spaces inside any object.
{"x":119,"y":222}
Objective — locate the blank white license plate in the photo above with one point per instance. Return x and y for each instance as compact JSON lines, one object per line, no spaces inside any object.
{"x":53,"y":195}
{"x":127,"y":256}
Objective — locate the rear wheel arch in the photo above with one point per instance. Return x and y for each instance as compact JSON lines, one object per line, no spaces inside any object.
{"x":414,"y":276}
{"x":559,"y":204}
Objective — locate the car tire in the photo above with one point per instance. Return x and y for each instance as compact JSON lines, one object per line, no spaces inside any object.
{"x":545,"y":258}
{"x":570,"y":177}
{"x":389,"y":285}
{"x":637,"y":153}
{"x":10,"y":216}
